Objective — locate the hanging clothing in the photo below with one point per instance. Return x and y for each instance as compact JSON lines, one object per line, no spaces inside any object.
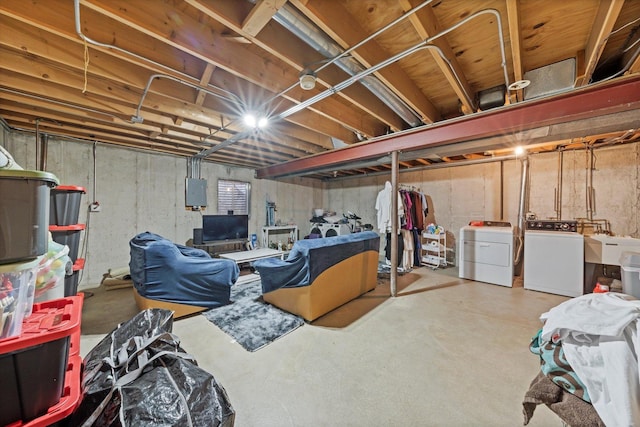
{"x":407,"y":253}
{"x":418,"y":211}
{"x":425,"y":206}
{"x":387,"y":249}
{"x":383,"y":208}
{"x":408,"y":205}
{"x":417,"y":246}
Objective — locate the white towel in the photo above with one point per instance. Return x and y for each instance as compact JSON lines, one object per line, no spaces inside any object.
{"x":599,"y":335}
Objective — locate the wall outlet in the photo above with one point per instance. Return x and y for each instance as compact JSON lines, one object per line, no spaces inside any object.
{"x":95,"y":207}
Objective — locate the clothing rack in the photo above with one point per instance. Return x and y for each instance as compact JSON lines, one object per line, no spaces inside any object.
{"x":409,"y":188}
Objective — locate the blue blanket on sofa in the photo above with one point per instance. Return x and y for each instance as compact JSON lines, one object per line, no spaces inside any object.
{"x":310,"y":257}
{"x":166,"y":271}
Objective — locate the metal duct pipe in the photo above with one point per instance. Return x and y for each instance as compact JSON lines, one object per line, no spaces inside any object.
{"x":37,"y":143}
{"x":44,"y":149}
{"x":42,"y":144}
{"x":299,"y":25}
{"x":193,"y":167}
{"x":359,"y":76}
{"x":227,"y":97}
{"x":501,"y":190}
{"x":522,"y":208}
{"x":83,"y":37}
{"x":422,"y":45}
{"x":590,"y":192}
{"x":558,"y":192}
{"x":95,"y":172}
{"x":65,"y":104}
{"x":394,"y":223}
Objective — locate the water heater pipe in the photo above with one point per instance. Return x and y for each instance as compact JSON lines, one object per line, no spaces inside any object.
{"x":558,"y":192}
{"x":522,"y":209}
{"x":590,"y":192}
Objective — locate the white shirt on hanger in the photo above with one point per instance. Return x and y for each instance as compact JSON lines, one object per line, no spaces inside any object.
{"x":383,"y":208}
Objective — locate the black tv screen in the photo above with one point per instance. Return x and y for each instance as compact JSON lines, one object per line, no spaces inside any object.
{"x":224,"y":227}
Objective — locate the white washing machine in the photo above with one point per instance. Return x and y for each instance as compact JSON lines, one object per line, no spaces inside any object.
{"x":554,"y":258}
{"x":330,"y":230}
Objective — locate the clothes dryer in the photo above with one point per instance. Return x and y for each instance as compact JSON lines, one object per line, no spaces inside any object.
{"x":486,"y":254}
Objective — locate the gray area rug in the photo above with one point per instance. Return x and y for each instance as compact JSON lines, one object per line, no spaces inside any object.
{"x":249,"y":320}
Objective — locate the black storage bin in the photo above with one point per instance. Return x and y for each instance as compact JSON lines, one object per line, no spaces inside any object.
{"x":34,"y":365}
{"x":68,"y":235}
{"x":71,"y":282}
{"x":64,"y":206}
{"x":24,"y":214}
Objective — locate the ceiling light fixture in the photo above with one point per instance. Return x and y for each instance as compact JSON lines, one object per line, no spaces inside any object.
{"x":252,"y":121}
{"x":520,"y":84}
{"x":307,"y":79}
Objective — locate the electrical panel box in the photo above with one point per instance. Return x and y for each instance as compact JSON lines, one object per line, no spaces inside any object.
{"x":195,"y":191}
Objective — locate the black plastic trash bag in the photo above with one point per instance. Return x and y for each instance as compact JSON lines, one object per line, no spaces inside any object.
{"x":149,"y":380}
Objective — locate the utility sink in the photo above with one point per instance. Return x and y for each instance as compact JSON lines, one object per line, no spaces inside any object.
{"x":604,"y":249}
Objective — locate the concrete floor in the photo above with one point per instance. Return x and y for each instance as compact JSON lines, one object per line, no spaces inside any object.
{"x":444,"y":352}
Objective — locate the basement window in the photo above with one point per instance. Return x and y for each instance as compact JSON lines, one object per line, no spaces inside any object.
{"x":233,"y":197}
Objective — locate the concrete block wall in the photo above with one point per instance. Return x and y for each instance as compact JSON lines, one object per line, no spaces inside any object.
{"x":491,"y":191}
{"x":616,"y":183}
{"x":140,"y":191}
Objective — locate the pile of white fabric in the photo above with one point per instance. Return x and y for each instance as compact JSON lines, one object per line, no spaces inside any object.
{"x":600,"y":337}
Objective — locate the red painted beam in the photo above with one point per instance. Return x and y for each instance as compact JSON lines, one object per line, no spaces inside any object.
{"x":619,"y":95}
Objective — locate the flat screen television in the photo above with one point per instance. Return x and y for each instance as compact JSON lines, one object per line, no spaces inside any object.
{"x":224,"y":227}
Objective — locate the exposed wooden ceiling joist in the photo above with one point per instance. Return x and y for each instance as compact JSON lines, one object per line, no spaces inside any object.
{"x":202,"y":51}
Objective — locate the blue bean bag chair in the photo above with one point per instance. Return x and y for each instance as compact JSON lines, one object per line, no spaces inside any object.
{"x":167,"y":272}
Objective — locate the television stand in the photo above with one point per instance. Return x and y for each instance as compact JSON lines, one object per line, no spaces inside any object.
{"x":218,"y":247}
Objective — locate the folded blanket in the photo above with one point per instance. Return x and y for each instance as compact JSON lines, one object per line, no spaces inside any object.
{"x":554,"y":365}
{"x":572,"y":410}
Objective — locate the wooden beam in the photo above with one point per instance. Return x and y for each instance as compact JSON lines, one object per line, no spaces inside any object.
{"x":425,"y":23}
{"x":617,"y":96}
{"x":298,"y":55}
{"x":603,"y":23}
{"x":513,"y":16}
{"x":327,"y":13}
{"x":237,"y":59}
{"x":204,"y":81}
{"x":260,"y":15}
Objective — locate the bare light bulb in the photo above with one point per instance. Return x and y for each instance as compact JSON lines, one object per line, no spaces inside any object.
{"x":250,"y":120}
{"x":307,"y":80}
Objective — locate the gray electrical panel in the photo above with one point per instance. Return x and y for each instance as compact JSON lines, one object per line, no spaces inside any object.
{"x":195,"y":191}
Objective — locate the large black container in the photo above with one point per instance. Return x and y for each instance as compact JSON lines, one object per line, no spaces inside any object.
{"x":71,"y":282}
{"x":33,"y":365}
{"x":64,"y":206}
{"x":68,"y":235}
{"x":24,"y":214}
